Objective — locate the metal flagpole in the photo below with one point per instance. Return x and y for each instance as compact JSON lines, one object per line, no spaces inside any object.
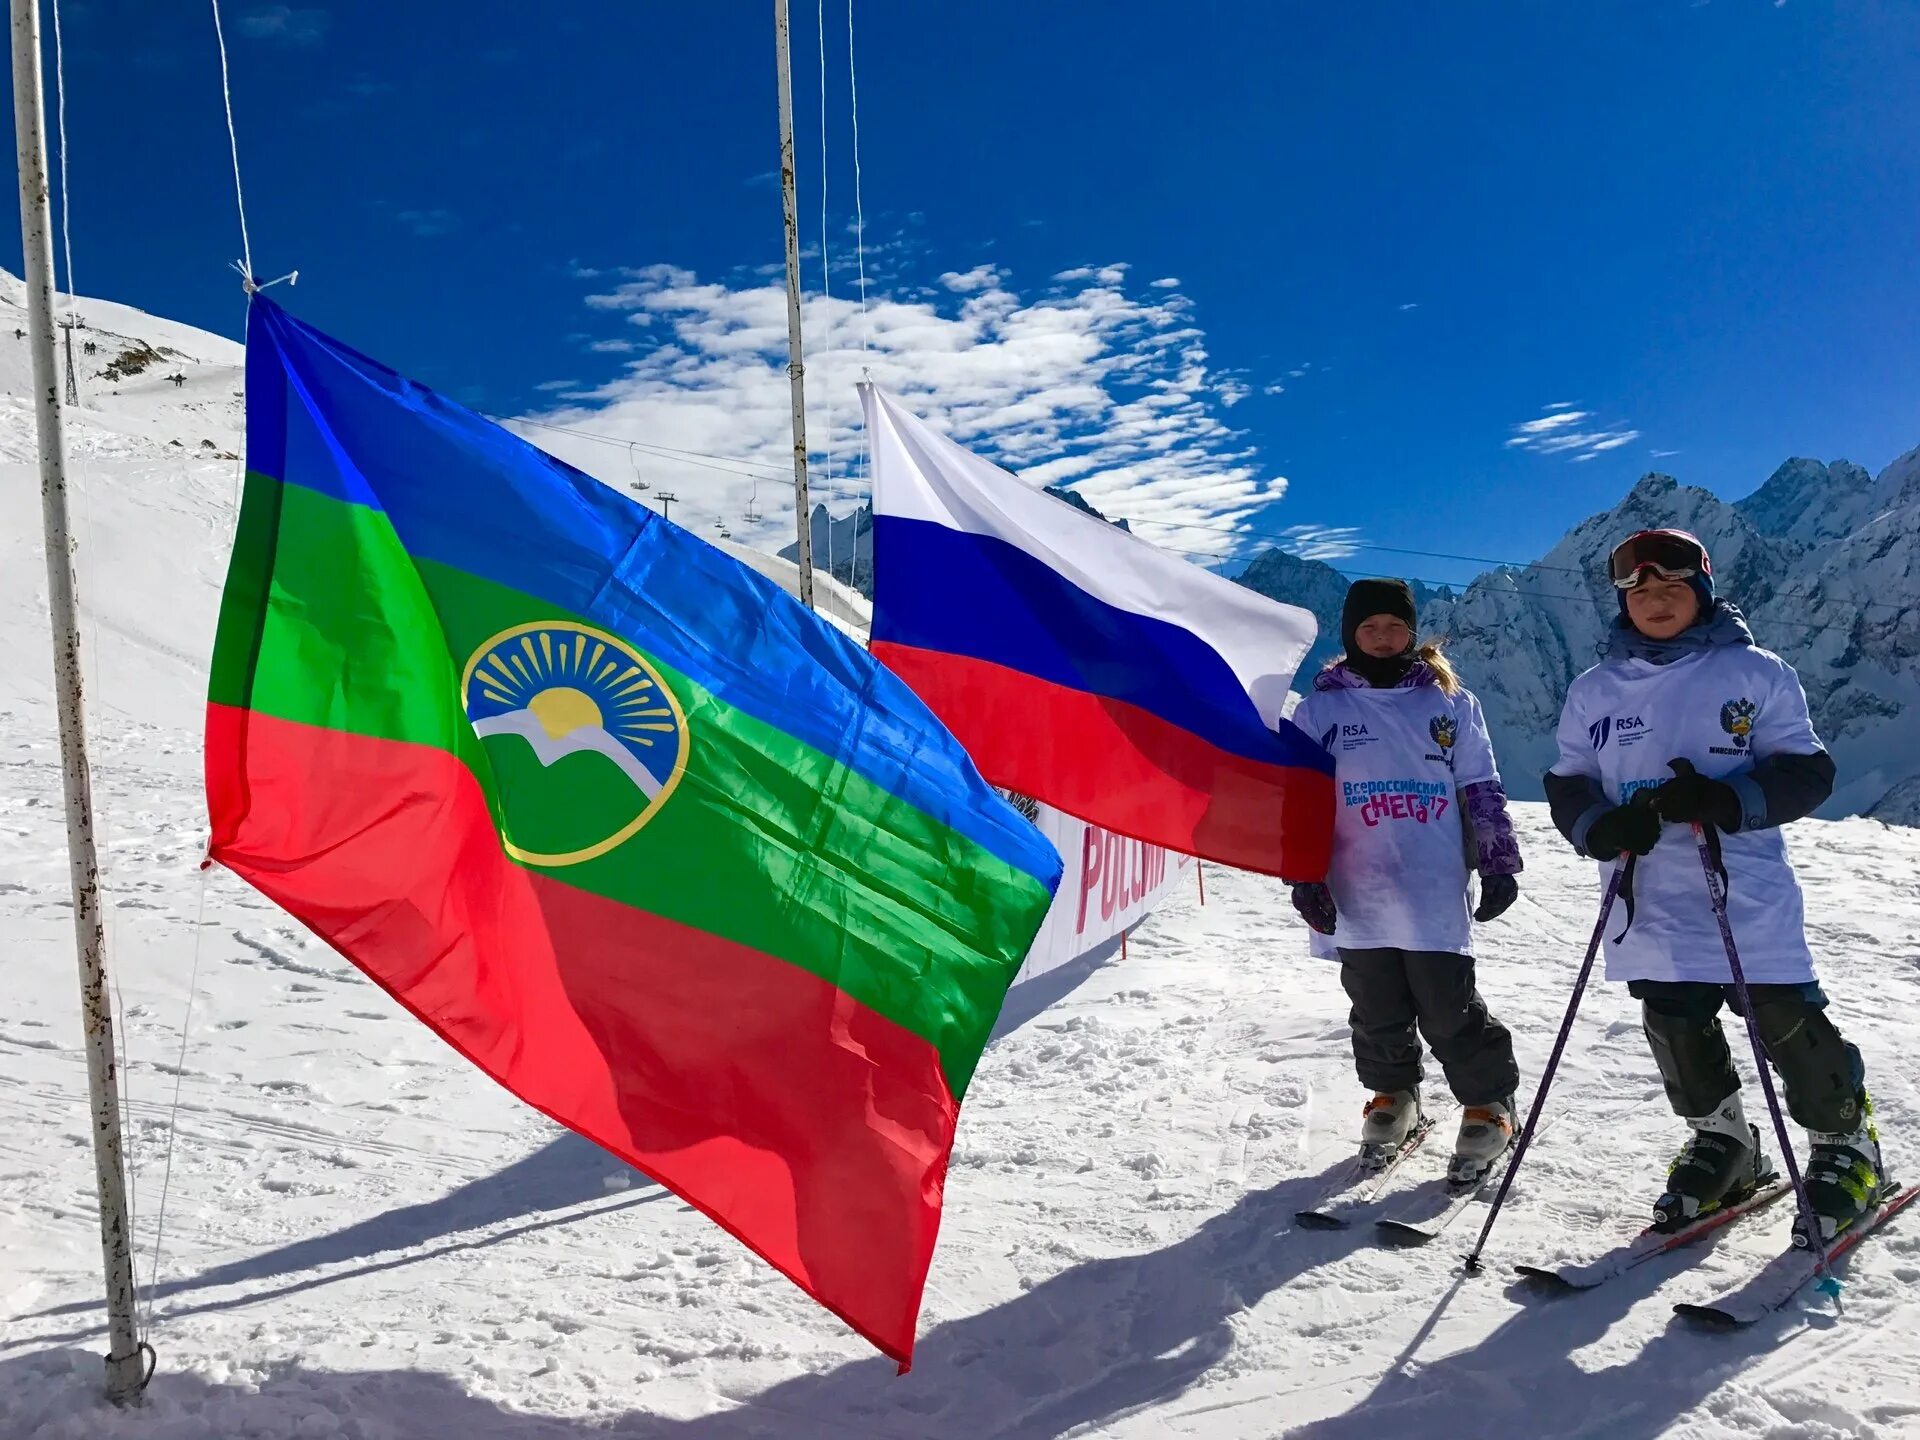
{"x":796,"y":370}
{"x":126,"y":1369}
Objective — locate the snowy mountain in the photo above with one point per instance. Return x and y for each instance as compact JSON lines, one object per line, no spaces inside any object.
{"x":1824,"y":560}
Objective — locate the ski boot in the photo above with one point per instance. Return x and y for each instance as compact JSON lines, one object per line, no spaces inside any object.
{"x":1845,"y":1178}
{"x":1721,"y":1165}
{"x":1386,"y":1125}
{"x":1485,"y":1133}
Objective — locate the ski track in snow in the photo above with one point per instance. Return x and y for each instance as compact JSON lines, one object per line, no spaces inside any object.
{"x":367,"y":1239}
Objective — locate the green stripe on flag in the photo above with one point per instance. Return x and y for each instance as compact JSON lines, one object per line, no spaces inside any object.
{"x":765,"y":840}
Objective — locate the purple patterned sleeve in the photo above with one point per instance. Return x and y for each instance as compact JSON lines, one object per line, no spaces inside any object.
{"x":1499,"y":851}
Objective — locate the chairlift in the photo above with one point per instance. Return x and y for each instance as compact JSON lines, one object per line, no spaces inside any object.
{"x":752,"y":513}
{"x":636,"y":483}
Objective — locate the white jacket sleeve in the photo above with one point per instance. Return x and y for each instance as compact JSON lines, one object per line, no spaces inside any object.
{"x":1473,"y":761}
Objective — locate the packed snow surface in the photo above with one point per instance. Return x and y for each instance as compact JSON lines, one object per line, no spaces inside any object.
{"x":365,"y":1238}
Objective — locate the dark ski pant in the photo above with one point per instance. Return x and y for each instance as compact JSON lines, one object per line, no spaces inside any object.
{"x":1393,"y":989}
{"x":1822,"y":1073}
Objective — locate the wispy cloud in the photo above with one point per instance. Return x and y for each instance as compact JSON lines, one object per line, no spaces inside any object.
{"x":1411,"y":305}
{"x":1565,"y":430}
{"x":613,"y":347}
{"x":428,"y":224}
{"x":1167,"y":282}
{"x":1662,"y":454}
{"x":285,"y":25}
{"x":554,"y":387}
{"x":1322,"y":542}
{"x":1276,"y":388}
{"x":1088,"y":382}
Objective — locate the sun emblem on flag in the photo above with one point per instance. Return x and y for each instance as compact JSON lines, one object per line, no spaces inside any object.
{"x":587,"y":741}
{"x":1442,"y":728}
{"x":1737,"y":717}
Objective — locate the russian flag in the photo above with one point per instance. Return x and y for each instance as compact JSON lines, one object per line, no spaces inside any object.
{"x":1083,"y":666}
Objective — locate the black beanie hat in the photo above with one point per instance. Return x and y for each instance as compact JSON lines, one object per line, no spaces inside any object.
{"x":1375,"y":597}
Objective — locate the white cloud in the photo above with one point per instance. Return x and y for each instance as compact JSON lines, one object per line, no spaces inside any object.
{"x":1322,"y":542}
{"x":1564,"y":430}
{"x":1085,"y":384}
{"x":971,"y":282}
{"x":1275,"y":389}
{"x":1103,"y":274}
{"x":285,"y":25}
{"x":1411,"y":305}
{"x":613,"y":347}
{"x":1545,"y":423}
{"x":1662,"y":454}
{"x":556,"y":386}
{"x":1167,"y":282}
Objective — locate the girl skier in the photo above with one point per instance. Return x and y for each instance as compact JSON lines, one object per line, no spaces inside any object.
{"x":1411,"y":754}
{"x":1685,"y":721}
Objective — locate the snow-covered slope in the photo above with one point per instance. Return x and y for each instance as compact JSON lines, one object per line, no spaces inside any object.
{"x":365,"y":1239}
{"x":154,"y":472}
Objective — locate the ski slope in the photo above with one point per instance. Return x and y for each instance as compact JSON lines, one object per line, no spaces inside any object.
{"x":364,"y":1238}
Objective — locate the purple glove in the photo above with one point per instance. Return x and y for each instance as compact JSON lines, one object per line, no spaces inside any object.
{"x":1315,"y":904}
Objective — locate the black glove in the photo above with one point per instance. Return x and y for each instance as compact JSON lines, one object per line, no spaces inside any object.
{"x":1497,"y":892}
{"x":1625,"y":827}
{"x":1691,"y":797}
{"x":1315,"y":904}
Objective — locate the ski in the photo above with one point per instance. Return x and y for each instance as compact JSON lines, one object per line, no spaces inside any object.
{"x":1408,"y":1228}
{"x":1649,"y":1244}
{"x":1786,"y":1275}
{"x":1359,"y":1186}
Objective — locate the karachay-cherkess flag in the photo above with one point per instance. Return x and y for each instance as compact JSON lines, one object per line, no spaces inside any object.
{"x":663,"y":853}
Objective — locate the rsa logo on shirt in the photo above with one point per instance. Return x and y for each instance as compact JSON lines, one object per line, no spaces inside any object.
{"x":1351,"y":737}
{"x":1623,"y":730}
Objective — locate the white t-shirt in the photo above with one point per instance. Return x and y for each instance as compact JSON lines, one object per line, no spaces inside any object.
{"x":1399,"y":872}
{"x":1722,"y":709}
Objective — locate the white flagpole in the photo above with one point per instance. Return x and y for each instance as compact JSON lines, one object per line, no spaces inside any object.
{"x":796,"y":370}
{"x":126,"y":1372}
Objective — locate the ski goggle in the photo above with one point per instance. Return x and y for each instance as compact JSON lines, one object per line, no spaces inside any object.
{"x":1670,"y":554}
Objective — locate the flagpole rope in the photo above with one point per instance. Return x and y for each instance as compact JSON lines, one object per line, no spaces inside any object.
{"x":233,"y":144}
{"x":60,"y":108}
{"x":859,"y":213}
{"x":173,"y":1114}
{"x":826,"y":276}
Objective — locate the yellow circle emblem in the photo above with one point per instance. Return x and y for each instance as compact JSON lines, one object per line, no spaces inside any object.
{"x":586,"y":740}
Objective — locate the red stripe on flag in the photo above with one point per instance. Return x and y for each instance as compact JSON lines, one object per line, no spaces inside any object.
{"x":811,"y":1128}
{"x":1120,"y":767}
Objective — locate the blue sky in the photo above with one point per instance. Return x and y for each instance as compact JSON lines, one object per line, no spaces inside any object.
{"x":1394,"y":236}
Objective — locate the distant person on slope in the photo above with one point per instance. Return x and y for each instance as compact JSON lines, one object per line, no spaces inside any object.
{"x":1684,"y":682}
{"x":1411,"y":754}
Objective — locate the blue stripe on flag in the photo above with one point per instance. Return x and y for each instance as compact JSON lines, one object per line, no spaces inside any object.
{"x":964,"y":594}
{"x":461,"y":491}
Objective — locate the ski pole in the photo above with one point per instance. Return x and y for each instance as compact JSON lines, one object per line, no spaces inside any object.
{"x":1706,"y":841}
{"x":1614,"y":883}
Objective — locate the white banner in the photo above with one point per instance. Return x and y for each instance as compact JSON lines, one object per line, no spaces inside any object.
{"x":1110,"y":885}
